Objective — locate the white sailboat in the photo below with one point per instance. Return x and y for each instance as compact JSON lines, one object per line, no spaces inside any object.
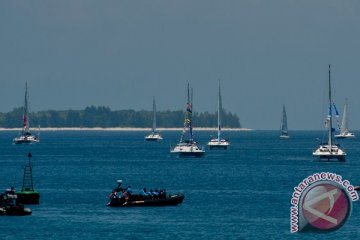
{"x":26,"y":136}
{"x":344,"y":130}
{"x":153,"y":136}
{"x":219,"y":142}
{"x":284,"y":129}
{"x":329,"y":150}
{"x":187,"y":147}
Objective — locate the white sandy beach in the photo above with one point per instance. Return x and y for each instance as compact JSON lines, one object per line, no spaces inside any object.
{"x":123,"y":129}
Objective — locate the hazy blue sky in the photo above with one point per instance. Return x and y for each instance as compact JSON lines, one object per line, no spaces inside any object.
{"x":76,"y":53}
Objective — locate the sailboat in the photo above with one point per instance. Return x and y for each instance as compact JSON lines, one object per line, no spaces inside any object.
{"x":187,"y":147}
{"x":153,"y":136}
{"x":26,"y":136}
{"x":344,"y":130}
{"x":329,"y":150}
{"x":218,"y":142}
{"x":284,"y":129}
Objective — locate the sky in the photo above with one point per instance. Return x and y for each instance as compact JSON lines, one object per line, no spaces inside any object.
{"x":121,"y":53}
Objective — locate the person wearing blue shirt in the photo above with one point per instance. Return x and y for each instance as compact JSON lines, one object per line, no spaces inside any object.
{"x":128,"y":189}
{"x":155,"y":193}
{"x":144,"y":193}
{"x":151,"y":193}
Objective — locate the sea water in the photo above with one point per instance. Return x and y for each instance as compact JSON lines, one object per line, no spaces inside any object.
{"x":241,"y":193}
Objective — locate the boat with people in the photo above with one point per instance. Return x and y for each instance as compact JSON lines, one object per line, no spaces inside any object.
{"x":284,"y":134}
{"x":9,"y":206}
{"x":154,"y":135}
{"x":219,"y":142}
{"x":125,"y":197}
{"x":344,"y":129}
{"x":187,"y":147}
{"x":26,"y":136}
{"x":329,"y":150}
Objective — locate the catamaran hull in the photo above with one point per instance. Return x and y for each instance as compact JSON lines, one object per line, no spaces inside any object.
{"x":328,"y":157}
{"x":153,"y":138}
{"x":188,"y":150}
{"x":218,"y":145}
{"x":341,"y":136}
{"x":26,"y":140}
{"x":284,"y":137}
{"x":336,"y":153}
{"x":189,"y":154}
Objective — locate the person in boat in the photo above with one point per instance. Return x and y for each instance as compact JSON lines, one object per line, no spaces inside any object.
{"x":128,"y":189}
{"x":151,"y":195}
{"x":156,"y":194}
{"x":125,"y":195}
{"x":145,"y":194}
{"x":162,"y":194}
{"x":113,"y":194}
{"x":119,"y":187}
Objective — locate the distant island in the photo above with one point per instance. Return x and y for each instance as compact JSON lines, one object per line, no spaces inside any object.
{"x":104,"y":117}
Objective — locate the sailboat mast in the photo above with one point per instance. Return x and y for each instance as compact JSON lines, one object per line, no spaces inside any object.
{"x":25,"y":117}
{"x":154,"y":116}
{"x":219,"y":114}
{"x":190,"y":117}
{"x":330,"y":115}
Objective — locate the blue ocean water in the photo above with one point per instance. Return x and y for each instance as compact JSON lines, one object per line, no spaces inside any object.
{"x":242,"y":193}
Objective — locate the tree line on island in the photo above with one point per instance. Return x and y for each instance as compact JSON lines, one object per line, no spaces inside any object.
{"x":105,"y":117}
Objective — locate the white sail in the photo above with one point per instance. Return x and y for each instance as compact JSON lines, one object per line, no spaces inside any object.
{"x":344,"y":123}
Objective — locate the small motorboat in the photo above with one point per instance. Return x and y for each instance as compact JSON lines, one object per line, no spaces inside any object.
{"x":9,"y":205}
{"x":120,"y":197}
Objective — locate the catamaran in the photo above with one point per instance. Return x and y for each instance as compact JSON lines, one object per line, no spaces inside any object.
{"x":188,"y":147}
{"x":218,"y":142}
{"x":344,"y":130}
{"x":153,"y":136}
{"x":284,"y":129}
{"x":329,"y":150}
{"x":26,"y":136}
